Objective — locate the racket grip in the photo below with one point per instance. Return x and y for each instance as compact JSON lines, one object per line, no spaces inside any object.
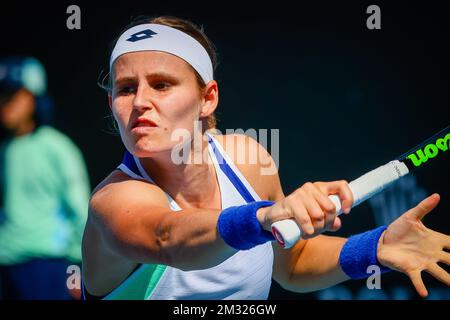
{"x":287,"y":232}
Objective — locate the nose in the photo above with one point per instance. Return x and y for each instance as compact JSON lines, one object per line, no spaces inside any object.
{"x":142,"y":98}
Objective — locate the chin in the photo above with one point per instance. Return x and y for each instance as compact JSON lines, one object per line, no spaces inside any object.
{"x":149,"y":150}
{"x":147,"y":147}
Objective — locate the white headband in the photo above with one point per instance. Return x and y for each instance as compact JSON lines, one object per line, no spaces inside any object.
{"x":157,"y":37}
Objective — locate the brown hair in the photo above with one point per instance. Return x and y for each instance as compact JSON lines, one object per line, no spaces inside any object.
{"x":189,"y":28}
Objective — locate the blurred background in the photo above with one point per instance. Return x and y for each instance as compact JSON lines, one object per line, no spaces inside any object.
{"x":346,"y":99}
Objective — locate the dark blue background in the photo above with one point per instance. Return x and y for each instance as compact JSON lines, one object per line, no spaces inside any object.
{"x":346,"y":99}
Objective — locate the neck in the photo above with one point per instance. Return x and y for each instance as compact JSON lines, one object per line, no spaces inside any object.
{"x":24,"y":128}
{"x":192,"y":183}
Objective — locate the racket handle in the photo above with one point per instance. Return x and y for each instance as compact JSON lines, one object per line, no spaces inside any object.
{"x":287,"y":232}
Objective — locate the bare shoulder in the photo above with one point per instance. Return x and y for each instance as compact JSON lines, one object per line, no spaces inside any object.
{"x":254,"y":162}
{"x":118,"y":193}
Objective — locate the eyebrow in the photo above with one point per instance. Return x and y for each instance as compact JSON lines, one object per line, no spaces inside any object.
{"x":156,"y":75}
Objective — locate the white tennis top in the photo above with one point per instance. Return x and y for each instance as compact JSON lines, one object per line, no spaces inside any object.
{"x":245,"y":275}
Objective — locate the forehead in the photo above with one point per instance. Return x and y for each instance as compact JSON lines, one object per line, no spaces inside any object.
{"x":147,"y":62}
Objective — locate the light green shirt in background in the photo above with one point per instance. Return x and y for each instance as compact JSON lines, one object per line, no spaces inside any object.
{"x":45,"y":192}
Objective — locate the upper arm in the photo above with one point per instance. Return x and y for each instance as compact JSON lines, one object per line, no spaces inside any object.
{"x":127,"y":214}
{"x":136,"y":222}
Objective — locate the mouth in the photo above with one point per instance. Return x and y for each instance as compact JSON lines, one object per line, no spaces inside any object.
{"x":144,"y":122}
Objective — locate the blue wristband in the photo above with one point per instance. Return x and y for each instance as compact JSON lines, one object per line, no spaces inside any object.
{"x":239,"y":227}
{"x":360,"y":252}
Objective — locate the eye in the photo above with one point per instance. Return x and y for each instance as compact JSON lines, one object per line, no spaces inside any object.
{"x":161,"y":85}
{"x":125,"y":90}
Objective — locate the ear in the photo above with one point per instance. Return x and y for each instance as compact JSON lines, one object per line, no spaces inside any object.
{"x":210,"y":99}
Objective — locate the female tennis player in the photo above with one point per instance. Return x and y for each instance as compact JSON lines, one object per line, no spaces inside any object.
{"x":161,"y":229}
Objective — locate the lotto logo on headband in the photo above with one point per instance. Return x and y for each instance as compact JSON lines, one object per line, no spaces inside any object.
{"x":141,"y":35}
{"x":169,"y":40}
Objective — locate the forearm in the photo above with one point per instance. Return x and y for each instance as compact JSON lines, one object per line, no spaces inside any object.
{"x":191,"y":240}
{"x":317,"y":265}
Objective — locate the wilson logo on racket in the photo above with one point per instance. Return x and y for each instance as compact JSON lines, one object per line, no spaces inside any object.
{"x":430,"y":151}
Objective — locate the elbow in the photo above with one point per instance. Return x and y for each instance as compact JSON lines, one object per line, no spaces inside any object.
{"x":165,"y":241}
{"x":141,"y":244}
{"x":172,"y":246}
{"x":163,"y":244}
{"x":148,"y":251}
{"x":186,"y":249}
{"x":171,"y":251}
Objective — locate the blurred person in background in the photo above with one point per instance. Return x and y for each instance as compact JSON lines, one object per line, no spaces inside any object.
{"x":44,"y":189}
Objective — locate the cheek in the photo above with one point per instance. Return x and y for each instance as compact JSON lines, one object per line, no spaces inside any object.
{"x":121,"y":112}
{"x":180,"y":110}
{"x":18,"y":111}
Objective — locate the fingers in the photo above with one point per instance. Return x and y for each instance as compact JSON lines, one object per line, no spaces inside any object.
{"x":337,"y":224}
{"x":342,"y":189}
{"x":445,"y":258}
{"x":439,"y":273}
{"x":425,"y":206}
{"x":303,"y":220}
{"x":447,"y":242}
{"x":417,"y":281}
{"x":313,"y":210}
{"x":320,"y":208}
{"x":315,"y":213}
{"x":327,"y":213}
{"x":322,"y":199}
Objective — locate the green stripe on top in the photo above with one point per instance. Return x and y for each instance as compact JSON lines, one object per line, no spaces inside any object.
{"x":139,"y":284}
{"x":154,"y":280}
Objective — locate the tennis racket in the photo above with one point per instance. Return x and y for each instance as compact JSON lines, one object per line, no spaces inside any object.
{"x":287,"y":232}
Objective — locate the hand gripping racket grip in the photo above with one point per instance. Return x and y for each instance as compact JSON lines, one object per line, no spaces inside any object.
{"x":287,"y":232}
